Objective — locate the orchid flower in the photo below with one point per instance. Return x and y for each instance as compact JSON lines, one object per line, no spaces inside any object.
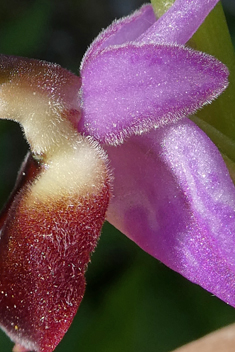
{"x":114,"y":143}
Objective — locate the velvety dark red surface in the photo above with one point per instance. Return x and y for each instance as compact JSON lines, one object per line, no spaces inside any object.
{"x":44,"y":252}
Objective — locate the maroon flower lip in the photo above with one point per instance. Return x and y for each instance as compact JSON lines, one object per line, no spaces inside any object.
{"x":53,"y":218}
{"x":45,"y":248}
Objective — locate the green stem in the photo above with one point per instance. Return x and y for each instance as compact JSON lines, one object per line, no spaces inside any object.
{"x":231,"y":167}
{"x":213,"y":38}
{"x":161,"y":6}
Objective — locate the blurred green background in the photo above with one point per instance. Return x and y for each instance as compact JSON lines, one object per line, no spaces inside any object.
{"x":132,"y":302}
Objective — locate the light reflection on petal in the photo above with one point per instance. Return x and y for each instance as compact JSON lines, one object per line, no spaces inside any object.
{"x":173,"y":196}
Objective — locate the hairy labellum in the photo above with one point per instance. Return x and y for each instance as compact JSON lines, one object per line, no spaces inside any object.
{"x":45,"y":248}
{"x":53,"y":219}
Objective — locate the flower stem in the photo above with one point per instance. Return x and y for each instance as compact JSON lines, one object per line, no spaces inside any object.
{"x":161,"y":6}
{"x":213,"y":38}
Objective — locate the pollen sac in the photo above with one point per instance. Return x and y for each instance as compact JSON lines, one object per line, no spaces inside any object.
{"x":53,"y":219}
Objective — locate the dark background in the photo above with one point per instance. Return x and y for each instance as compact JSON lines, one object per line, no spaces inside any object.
{"x":132,"y":302}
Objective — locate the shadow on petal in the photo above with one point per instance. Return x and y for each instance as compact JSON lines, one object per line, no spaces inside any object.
{"x":173,"y":196}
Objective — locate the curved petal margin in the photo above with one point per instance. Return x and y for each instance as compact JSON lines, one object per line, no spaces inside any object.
{"x":130,"y":89}
{"x":124,"y":30}
{"x":173,"y":196}
{"x":179,"y":23}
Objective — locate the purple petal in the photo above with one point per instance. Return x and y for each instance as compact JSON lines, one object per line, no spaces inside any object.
{"x":179,"y":23}
{"x":173,"y":196}
{"x":130,"y":89}
{"x":126,"y":29}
